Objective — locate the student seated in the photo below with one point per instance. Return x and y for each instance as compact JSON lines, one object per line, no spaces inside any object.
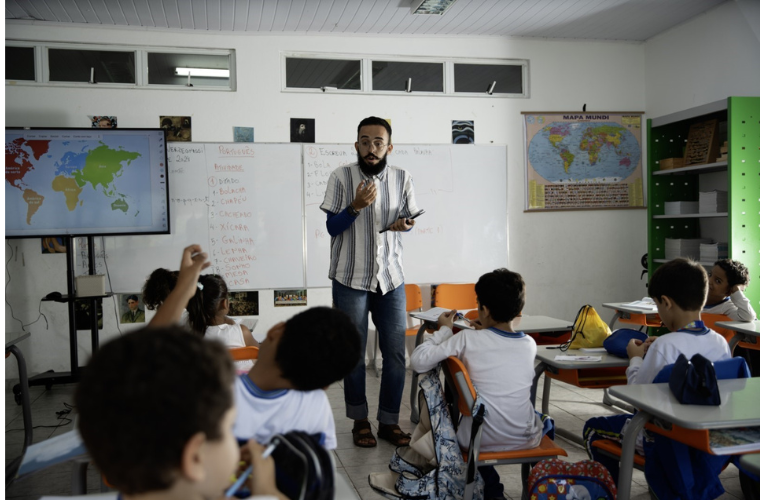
{"x":157,"y":287}
{"x":679,"y":289}
{"x":728,"y":280}
{"x":500,"y":364}
{"x":207,"y":315}
{"x":159,"y":430}
{"x":297,"y":360}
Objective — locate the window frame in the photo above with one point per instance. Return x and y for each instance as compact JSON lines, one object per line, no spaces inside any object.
{"x":313,"y":55}
{"x":490,"y":62}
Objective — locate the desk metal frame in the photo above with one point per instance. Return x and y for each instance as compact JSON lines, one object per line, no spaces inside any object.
{"x":745,"y":331}
{"x":631,"y":313}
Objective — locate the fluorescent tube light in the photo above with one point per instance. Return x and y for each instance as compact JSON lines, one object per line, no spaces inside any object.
{"x":438,"y":7}
{"x":211,"y":73}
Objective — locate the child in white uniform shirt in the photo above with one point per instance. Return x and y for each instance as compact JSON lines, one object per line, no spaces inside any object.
{"x":500,"y":364}
{"x":728,"y":280}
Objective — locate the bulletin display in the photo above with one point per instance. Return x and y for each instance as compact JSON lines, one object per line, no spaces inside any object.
{"x":583,"y":161}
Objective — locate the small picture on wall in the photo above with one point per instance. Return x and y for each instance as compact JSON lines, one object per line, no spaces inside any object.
{"x":53,"y":245}
{"x":462,"y":132}
{"x":178,"y":128}
{"x":244,"y":304}
{"x":242,"y":134}
{"x":103,"y":121}
{"x":302,"y":130}
{"x":290,"y":298}
{"x":83,"y":314}
{"x":131,"y":308}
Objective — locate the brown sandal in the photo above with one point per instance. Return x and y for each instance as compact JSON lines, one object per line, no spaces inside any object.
{"x":394,"y":435}
{"x":363,"y":437}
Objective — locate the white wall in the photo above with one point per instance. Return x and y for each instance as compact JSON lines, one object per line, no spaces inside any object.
{"x":567,"y":258}
{"x":709,"y":58}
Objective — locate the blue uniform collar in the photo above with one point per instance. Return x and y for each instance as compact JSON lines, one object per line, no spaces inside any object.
{"x":695,"y":328}
{"x":258,"y":392}
{"x":509,"y":335}
{"x":718,"y":303}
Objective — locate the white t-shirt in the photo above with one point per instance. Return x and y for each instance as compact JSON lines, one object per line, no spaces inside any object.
{"x":232,"y":336}
{"x":665,"y":351}
{"x":500,"y":366}
{"x":736,"y":306}
{"x":262,"y":414}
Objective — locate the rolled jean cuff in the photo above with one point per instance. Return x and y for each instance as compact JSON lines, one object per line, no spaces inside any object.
{"x":387,"y":418}
{"x":357,"y":412}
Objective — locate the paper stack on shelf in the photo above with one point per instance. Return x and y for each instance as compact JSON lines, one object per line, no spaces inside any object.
{"x":675,"y":248}
{"x":681,"y":207}
{"x":713,"y":201}
{"x":711,"y":252}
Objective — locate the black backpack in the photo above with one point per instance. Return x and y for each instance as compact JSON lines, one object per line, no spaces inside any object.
{"x":304,"y":469}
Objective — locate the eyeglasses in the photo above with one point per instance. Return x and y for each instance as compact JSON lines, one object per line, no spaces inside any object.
{"x":377,"y":145}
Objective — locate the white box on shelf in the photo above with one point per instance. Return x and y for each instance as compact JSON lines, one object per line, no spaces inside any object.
{"x":90,"y":286}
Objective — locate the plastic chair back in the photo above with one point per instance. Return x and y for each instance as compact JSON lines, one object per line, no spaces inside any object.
{"x":244,"y":353}
{"x":710,"y":320}
{"x":725,"y":369}
{"x":459,"y":296}
{"x":461,"y":381}
{"x":413,"y":297}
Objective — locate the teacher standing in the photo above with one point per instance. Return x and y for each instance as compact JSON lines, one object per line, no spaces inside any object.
{"x":367,"y":275}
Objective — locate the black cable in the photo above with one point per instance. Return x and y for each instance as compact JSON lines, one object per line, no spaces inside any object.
{"x":60,"y":415}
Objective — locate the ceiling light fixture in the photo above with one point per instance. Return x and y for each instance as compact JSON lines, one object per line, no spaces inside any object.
{"x":211,"y":73}
{"x":437,"y":7}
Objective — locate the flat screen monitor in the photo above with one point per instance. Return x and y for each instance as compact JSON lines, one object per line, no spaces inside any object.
{"x":85,"y":182}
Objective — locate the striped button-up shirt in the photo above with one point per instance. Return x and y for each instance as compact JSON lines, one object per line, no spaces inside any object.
{"x":361,"y":257}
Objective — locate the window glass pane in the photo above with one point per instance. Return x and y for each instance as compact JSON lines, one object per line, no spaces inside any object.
{"x":317,"y":73}
{"x":393,"y":75}
{"x":478,"y":77}
{"x":171,"y":69}
{"x":74,"y":66}
{"x":19,"y":63}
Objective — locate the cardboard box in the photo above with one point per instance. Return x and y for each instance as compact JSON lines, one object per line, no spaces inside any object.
{"x":91,"y":286}
{"x":669,"y":163}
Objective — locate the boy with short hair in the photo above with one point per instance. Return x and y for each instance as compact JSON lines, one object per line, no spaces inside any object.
{"x":298,"y":358}
{"x":679,"y":289}
{"x":156,"y":413}
{"x":500,"y":364}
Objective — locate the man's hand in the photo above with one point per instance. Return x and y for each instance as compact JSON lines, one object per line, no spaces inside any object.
{"x":366,"y":192}
{"x":447,"y":318}
{"x":402,"y":224}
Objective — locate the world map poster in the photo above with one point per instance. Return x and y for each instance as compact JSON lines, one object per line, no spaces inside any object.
{"x":579,"y":161}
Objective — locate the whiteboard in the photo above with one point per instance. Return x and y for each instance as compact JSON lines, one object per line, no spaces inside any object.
{"x":462,"y":188}
{"x":241,"y":202}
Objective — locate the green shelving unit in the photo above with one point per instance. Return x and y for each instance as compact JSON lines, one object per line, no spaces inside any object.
{"x":739,"y":124}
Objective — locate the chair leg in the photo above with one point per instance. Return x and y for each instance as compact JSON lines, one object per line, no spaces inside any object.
{"x":524,"y":473}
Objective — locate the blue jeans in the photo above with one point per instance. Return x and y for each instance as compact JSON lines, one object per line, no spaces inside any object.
{"x":389,"y":316}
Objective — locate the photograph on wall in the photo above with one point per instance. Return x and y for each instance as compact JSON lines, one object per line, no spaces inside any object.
{"x":462,"y":132}
{"x":242,"y":134}
{"x":302,"y":130}
{"x":244,"y":303}
{"x":289,"y":298}
{"x":583,"y":161}
{"x":103,"y":121}
{"x":178,"y":128}
{"x":83,"y":313}
{"x":131,"y":309}
{"x":53,"y":245}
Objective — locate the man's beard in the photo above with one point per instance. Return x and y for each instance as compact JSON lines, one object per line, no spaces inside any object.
{"x":371,"y":170}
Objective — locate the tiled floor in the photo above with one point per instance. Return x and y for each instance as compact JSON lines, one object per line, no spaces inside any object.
{"x":570,"y":407}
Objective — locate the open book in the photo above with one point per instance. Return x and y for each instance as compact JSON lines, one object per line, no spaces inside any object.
{"x":735,"y":440}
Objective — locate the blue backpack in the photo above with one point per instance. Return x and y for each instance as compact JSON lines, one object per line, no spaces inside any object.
{"x":559,"y":480}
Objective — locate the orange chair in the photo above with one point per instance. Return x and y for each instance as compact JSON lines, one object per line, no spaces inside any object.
{"x":413,"y":303}
{"x":244,"y":353}
{"x":457,"y":376}
{"x":711,"y":319}
{"x":456,"y":296}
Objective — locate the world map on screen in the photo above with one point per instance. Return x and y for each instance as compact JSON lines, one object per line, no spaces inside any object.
{"x":77,"y":183}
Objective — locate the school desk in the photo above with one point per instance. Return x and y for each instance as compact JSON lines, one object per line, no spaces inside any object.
{"x":745,"y":331}
{"x":632,"y":315}
{"x":751,"y":462}
{"x":526,"y":324}
{"x":738,"y":408}
{"x":609,"y":371}
{"x":11,"y":339}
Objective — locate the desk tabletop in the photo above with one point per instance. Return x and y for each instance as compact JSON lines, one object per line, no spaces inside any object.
{"x":738,"y":406}
{"x":623,"y":307}
{"x":13,"y":338}
{"x":541,"y":324}
{"x":546,"y":355}
{"x":748,"y":328}
{"x":751,"y":462}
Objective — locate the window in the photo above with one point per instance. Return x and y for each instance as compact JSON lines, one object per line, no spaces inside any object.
{"x":104,"y":66}
{"x":19,"y":63}
{"x":394,"y":75}
{"x":309,"y":73}
{"x":478,"y":78}
{"x":173,"y":69}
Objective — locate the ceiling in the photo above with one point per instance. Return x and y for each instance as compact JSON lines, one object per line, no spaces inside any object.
{"x":633,"y":20}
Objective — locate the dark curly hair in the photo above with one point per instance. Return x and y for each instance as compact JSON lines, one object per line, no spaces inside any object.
{"x":158,"y":286}
{"x":736,"y":272}
{"x":502,"y":292}
{"x":143,"y":396}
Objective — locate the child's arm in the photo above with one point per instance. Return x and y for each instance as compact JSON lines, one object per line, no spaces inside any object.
{"x":744,"y":311}
{"x":248,"y":337}
{"x":194,"y":260}
{"x":262,"y":482}
{"x":440,"y":346}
